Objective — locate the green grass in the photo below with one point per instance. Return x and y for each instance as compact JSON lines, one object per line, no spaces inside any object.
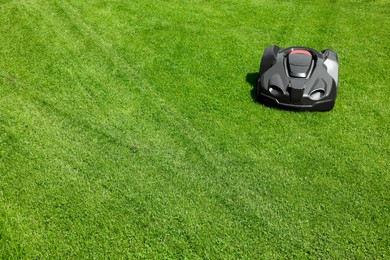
{"x":128,"y":129}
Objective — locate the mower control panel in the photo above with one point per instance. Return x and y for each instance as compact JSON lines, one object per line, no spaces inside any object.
{"x":299,"y":63}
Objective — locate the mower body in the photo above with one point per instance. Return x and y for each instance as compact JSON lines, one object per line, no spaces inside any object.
{"x":298,"y":78}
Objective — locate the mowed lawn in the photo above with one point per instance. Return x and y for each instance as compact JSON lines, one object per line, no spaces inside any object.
{"x":129,"y":129}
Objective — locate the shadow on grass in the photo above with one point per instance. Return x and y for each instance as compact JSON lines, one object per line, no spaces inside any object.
{"x":251,"y":78}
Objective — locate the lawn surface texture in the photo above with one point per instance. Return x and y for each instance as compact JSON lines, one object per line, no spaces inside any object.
{"x":130,"y":129}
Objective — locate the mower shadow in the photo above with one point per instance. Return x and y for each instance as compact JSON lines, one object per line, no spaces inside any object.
{"x":251,"y":78}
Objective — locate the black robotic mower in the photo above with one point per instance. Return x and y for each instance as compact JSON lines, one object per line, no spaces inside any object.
{"x":298,"y":78}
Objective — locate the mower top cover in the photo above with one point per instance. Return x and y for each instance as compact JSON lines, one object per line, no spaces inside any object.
{"x":298,"y":78}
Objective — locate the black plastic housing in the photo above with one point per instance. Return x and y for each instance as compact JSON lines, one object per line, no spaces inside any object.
{"x":298,"y":78}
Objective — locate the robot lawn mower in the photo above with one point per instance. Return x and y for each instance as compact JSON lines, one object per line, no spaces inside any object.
{"x":298,"y":78}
